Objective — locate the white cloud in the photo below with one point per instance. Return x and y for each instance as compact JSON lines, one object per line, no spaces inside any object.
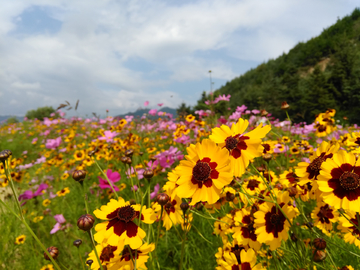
{"x":88,"y":58}
{"x":21,"y":85}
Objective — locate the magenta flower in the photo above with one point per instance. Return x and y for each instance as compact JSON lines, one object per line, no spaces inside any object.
{"x":59,"y":221}
{"x":155,"y":192}
{"x":153,"y":112}
{"x":53,"y":143}
{"x":223,"y":97}
{"x":113,"y":177}
{"x":29,"y":194}
{"x":160,"y":104}
{"x":146,"y":103}
{"x":108,"y":136}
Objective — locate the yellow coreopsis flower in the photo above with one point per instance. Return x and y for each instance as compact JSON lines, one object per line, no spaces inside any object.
{"x":204,"y":173}
{"x":241,"y":146}
{"x":339,"y":180}
{"x":20,"y":239}
{"x":271,"y":224}
{"x":108,"y":255}
{"x":121,"y":225}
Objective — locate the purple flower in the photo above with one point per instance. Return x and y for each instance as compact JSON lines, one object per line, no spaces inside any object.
{"x":29,"y":194}
{"x":59,"y":221}
{"x":108,"y":136}
{"x":53,"y":143}
{"x":155,"y":192}
{"x":113,"y":177}
{"x":153,"y":112}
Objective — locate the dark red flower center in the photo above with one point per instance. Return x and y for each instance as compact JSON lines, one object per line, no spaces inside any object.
{"x":204,"y":172}
{"x":314,"y":168}
{"x":325,"y":213}
{"x":231,"y":143}
{"x":236,"y":249}
{"x":170,"y":207}
{"x":127,"y":256}
{"x":126,"y":213}
{"x":107,"y":253}
{"x":292,"y":177}
{"x":275,"y":219}
{"x":349,"y":181}
{"x":201,"y":171}
{"x":315,"y":165}
{"x":252,"y":184}
{"x":321,"y":128}
{"x":235,"y":144}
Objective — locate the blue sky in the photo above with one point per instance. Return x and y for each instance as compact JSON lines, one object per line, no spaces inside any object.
{"x":116,"y":55}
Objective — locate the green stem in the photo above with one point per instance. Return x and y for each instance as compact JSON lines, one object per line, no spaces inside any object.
{"x":85,"y":197}
{"x":21,"y":217}
{"x":81,"y":260}
{"x":41,"y":244}
{"x":183,"y":244}
{"x":8,"y":175}
{"x":93,"y":243}
{"x":158,"y":228}
{"x":132,"y":183}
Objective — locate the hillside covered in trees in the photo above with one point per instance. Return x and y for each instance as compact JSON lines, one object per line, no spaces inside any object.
{"x":321,"y":73}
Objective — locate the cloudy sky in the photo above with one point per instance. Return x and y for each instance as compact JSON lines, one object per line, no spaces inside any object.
{"x":118,"y":54}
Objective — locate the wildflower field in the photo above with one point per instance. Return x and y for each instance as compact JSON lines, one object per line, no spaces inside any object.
{"x":238,"y":192}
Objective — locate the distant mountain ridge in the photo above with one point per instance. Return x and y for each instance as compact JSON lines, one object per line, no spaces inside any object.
{"x":316,"y":75}
{"x":140,"y":112}
{"x":3,"y":118}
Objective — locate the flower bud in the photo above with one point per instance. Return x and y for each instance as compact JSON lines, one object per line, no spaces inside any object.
{"x":292,"y":191}
{"x":79,"y":175}
{"x":77,"y":243}
{"x":148,"y":174}
{"x":4,"y":155}
{"x":92,"y":152}
{"x":319,"y":256}
{"x":129,"y":153}
{"x":293,"y":237}
{"x":125,"y":160}
{"x":53,"y":251}
{"x":264,"y":113}
{"x":267,"y":157}
{"x":89,"y":262}
{"x":319,"y":243}
{"x":86,"y":222}
{"x":162,"y":198}
{"x":261,"y":169}
{"x":230,"y":196}
{"x":285,"y":106}
{"x":184,"y":206}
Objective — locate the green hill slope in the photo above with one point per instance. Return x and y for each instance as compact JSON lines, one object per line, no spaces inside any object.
{"x":322,"y":73}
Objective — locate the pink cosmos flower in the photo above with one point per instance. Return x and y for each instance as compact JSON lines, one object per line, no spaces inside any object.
{"x":160,"y":104}
{"x":146,"y":103}
{"x":153,"y":112}
{"x":59,"y":221}
{"x":53,"y":143}
{"x":155,"y":192}
{"x":29,"y":194}
{"x":108,"y":136}
{"x":113,"y":177}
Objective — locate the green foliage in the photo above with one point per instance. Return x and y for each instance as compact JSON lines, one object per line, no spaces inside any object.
{"x":322,"y":73}
{"x":12,"y":120}
{"x":183,"y":110}
{"x":40,"y":113}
